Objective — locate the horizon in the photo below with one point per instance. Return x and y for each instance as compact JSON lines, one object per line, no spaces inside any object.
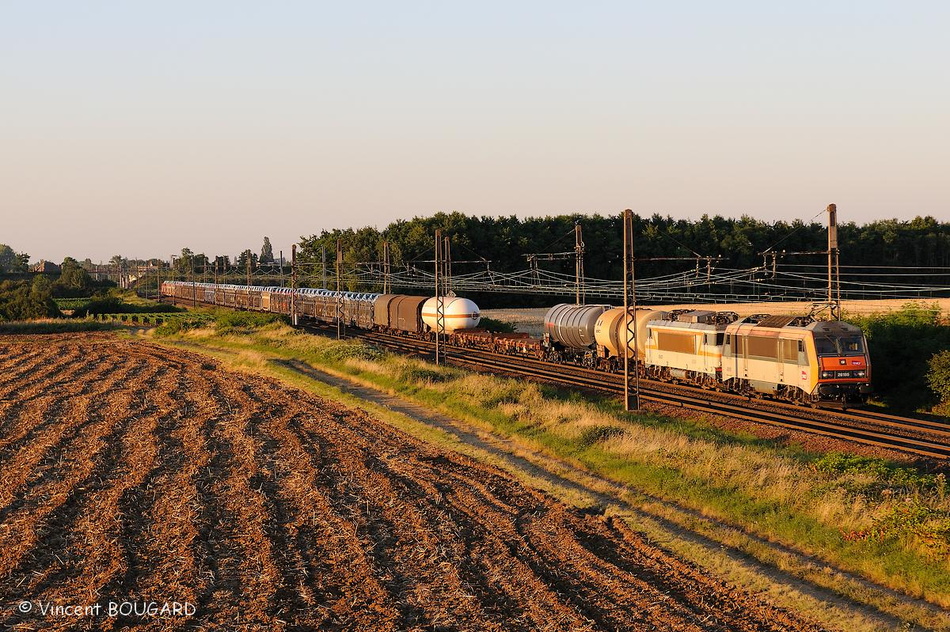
{"x":279,"y":251}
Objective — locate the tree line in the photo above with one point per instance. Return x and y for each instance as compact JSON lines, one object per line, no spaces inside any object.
{"x":735,"y":243}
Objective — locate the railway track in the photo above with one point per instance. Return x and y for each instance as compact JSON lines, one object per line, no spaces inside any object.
{"x":919,"y":437}
{"x":915,"y":436}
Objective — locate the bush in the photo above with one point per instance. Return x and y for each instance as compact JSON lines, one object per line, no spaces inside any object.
{"x":901,"y":344}
{"x":226,"y":321}
{"x":22,"y":300}
{"x":344,"y":350}
{"x":112,"y":304}
{"x":174,"y":326}
{"x":497,"y":326}
{"x":938,"y":377}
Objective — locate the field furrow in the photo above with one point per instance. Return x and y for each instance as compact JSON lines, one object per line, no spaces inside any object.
{"x":141,"y":474}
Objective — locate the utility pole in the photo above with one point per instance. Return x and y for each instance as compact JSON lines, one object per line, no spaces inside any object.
{"x":194,"y":288}
{"x":439,"y":303}
{"x":280,"y":270}
{"x":579,"y":263}
{"x":339,"y":291}
{"x":248,"y":268}
{"x":323,"y":266}
{"x":834,"y":270}
{"x":629,"y":321}
{"x":293,"y":282}
{"x":446,"y":265}
{"x":387,"y":285}
{"x":217,"y":265}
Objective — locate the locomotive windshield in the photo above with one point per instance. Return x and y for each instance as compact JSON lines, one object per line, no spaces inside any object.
{"x":825,"y":345}
{"x":851,"y":345}
{"x":844,"y":345}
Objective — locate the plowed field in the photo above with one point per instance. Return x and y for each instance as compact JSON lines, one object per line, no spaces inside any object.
{"x":137,"y":477}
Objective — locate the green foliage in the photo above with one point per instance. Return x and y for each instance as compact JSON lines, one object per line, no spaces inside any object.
{"x":226,"y":321}
{"x":11,"y":261}
{"x":71,"y":303}
{"x":173,"y":326}
{"x":112,"y":304}
{"x":906,"y":497}
{"x":25,"y":300}
{"x":938,"y":375}
{"x":912,"y":519}
{"x":245,"y":259}
{"x":882,"y":477}
{"x":267,"y":252}
{"x":901,"y":344}
{"x":73,"y":280}
{"x":505,"y":240}
{"x":54,"y":327}
{"x":497,"y":326}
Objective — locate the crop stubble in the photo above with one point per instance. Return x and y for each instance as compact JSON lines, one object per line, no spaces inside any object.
{"x":137,"y":473}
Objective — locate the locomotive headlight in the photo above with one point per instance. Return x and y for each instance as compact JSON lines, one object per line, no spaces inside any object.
{"x":860,"y":374}
{"x":825,"y":375}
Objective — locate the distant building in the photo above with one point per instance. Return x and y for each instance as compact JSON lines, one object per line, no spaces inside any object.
{"x":45,"y":267}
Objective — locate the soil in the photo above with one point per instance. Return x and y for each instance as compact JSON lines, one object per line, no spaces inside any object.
{"x":134,"y":474}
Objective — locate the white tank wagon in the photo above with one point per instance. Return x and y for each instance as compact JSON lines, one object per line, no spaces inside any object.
{"x":459,"y":313}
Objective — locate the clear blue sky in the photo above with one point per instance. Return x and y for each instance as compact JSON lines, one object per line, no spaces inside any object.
{"x":137,"y":128}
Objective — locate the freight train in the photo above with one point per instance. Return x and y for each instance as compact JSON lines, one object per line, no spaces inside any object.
{"x":397,"y":313}
{"x":794,"y":358}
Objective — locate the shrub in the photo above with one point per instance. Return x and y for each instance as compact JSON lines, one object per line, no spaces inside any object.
{"x":346,"y":349}
{"x":938,"y":375}
{"x":497,"y":326}
{"x":112,"y":304}
{"x":22,"y":300}
{"x":227,"y":321}
{"x":900,"y":345}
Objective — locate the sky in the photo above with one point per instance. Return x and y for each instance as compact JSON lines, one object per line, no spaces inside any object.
{"x":139,"y":128}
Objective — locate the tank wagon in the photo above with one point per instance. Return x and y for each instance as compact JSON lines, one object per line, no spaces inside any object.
{"x":569,"y":333}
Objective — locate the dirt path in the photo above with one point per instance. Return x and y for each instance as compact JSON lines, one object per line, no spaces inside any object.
{"x":144,"y":475}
